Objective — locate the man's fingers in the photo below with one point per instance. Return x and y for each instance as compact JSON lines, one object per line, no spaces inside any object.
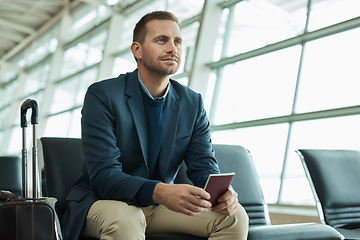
{"x":199,"y":202}
{"x":196,"y":209}
{"x":227,"y":195}
{"x":188,"y":208}
{"x":201,"y":193}
{"x":229,"y":211}
{"x":228,"y":203}
{"x":197,"y":205}
{"x":189,"y":200}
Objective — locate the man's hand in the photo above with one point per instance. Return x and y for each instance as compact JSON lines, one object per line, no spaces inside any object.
{"x":228,"y":203}
{"x":183,"y":198}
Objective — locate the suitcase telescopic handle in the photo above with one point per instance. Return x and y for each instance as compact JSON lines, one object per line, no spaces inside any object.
{"x":29,"y":103}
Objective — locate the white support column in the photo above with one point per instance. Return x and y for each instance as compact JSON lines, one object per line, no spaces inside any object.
{"x":114,"y":34}
{"x":55,"y":70}
{"x":14,"y":111}
{"x":205,"y":45}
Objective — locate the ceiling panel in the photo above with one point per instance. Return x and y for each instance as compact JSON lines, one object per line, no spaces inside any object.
{"x":21,"y":18}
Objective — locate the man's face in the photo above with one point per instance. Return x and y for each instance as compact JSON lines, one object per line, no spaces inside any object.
{"x":161,"y":50}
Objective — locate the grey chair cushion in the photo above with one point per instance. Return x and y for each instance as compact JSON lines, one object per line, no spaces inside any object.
{"x":298,"y":231}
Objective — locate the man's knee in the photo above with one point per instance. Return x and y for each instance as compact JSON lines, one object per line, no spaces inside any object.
{"x":241,"y":217}
{"x":235,"y":226}
{"x":115,"y":217}
{"x":241,"y":223}
{"x":123,"y":216}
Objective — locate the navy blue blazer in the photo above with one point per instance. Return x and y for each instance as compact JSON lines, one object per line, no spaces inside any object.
{"x":115,"y":145}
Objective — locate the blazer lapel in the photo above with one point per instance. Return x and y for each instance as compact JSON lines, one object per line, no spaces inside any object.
{"x":171,"y":124}
{"x":137,"y":110}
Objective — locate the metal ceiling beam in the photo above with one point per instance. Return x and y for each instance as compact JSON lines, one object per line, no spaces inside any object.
{"x":11,"y":35}
{"x":16,"y":6}
{"x":16,"y":26}
{"x":5,"y":43}
{"x":97,"y":3}
{"x":9,"y":53}
{"x":44,"y":9}
{"x":38,"y":16}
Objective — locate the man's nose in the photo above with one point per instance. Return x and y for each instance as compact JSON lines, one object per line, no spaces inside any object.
{"x":172,"y":47}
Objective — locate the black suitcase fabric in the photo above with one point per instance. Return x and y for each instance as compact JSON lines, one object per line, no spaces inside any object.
{"x":27,"y":218}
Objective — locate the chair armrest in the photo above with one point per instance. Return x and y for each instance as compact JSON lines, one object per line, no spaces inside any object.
{"x":349,"y":233}
{"x":296,"y":231}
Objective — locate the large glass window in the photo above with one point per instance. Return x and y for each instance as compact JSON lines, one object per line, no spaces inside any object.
{"x":1,"y":136}
{"x":330,"y":76}
{"x":8,"y":91}
{"x":267,"y":146}
{"x":270,"y":90}
{"x":259,"y":23}
{"x":260,"y":87}
{"x":85,"y":53}
{"x":58,"y":125}
{"x":331,"y":133}
{"x":67,"y":124}
{"x":69,"y":93}
{"x":273,"y":74}
{"x":124,"y":63}
{"x":64,"y":95}
{"x":37,"y":77}
{"x":328,"y":12}
{"x":75,"y":124}
{"x":189,"y":34}
{"x":87,"y":17}
{"x":42,"y":47}
{"x":4,"y":113}
{"x":15,"y":146}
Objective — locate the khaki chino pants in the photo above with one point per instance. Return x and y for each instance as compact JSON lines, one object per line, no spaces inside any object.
{"x":116,"y":220}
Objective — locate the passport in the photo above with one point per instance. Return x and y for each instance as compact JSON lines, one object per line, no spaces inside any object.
{"x":217,"y":184}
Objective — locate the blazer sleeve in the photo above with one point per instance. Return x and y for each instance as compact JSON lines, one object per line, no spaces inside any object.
{"x":101,"y":153}
{"x":200,"y":157}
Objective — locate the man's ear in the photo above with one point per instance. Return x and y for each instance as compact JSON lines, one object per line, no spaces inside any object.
{"x":136,"y":50}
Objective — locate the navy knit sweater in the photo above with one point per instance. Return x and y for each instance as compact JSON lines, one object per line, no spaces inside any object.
{"x":155,"y":119}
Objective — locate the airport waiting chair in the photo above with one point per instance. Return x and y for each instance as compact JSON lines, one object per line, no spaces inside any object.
{"x":63,"y":160}
{"x":334,"y":177}
{"x":234,"y":158}
{"x":10,"y":174}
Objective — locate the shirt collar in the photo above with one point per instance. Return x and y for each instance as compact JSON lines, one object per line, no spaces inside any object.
{"x":148,"y":93}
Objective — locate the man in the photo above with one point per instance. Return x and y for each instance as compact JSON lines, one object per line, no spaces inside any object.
{"x":136,"y":130}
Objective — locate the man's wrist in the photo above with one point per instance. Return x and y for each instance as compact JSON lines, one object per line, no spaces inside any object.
{"x":144,"y":195}
{"x":158,"y":192}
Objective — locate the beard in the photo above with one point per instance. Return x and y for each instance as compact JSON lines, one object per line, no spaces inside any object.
{"x":160,"y":66}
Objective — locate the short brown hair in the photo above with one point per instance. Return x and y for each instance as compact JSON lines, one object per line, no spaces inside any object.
{"x":140,"y":28}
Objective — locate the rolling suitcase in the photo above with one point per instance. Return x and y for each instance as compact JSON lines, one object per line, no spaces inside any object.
{"x":27,"y":217}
